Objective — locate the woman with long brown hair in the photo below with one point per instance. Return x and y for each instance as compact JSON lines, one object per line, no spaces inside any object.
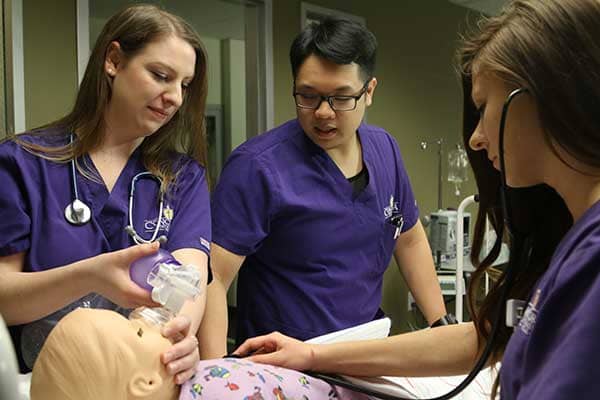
{"x":132,"y":154}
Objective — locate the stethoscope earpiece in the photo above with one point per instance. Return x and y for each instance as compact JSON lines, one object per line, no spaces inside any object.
{"x":130,"y":231}
{"x":162,"y":239}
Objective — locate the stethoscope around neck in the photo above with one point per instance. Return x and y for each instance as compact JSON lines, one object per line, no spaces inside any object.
{"x":78,"y":213}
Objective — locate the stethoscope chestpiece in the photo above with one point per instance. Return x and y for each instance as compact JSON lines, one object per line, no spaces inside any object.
{"x":78,"y":213}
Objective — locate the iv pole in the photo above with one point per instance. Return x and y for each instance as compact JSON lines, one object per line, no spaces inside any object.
{"x":424,"y":145}
{"x":440,"y":143}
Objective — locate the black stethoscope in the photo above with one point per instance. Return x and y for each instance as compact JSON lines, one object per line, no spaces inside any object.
{"x":520,"y":251}
{"x":78,"y":213}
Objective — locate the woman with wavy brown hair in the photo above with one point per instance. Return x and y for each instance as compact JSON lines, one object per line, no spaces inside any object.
{"x":132,"y":154}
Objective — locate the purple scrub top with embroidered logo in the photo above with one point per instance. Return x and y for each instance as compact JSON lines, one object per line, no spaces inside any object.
{"x":552,"y":354}
{"x":33,"y":196}
{"x":315,"y":254}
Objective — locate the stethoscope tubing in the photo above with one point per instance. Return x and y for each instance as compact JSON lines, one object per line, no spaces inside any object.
{"x":74,"y":218}
{"x":136,"y":237}
{"x":74,"y":177}
{"x":506,"y":207}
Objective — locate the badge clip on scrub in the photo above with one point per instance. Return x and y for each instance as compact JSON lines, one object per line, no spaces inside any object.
{"x":170,"y":283}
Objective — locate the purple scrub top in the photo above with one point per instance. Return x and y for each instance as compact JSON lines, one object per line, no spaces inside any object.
{"x":553,"y":353}
{"x":33,"y":196}
{"x":315,"y":254}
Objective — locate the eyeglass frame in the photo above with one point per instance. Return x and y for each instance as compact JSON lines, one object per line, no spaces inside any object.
{"x":329,"y":99}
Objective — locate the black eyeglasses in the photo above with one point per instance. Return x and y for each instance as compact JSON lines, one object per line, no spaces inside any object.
{"x":336,"y":102}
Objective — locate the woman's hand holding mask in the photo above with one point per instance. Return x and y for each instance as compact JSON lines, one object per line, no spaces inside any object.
{"x":181,"y":359}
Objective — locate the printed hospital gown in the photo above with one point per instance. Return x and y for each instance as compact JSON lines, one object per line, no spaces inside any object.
{"x":232,"y":378}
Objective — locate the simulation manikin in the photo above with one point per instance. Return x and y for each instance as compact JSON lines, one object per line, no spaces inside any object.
{"x":99,"y":354}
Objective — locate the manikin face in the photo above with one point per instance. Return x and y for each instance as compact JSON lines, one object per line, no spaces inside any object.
{"x":99,"y":354}
{"x":327,"y":128}
{"x":149,"y":88}
{"x":525,"y":148}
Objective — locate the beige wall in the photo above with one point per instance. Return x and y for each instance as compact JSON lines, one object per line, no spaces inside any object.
{"x":418,"y":96}
{"x":213,"y":49}
{"x":234,"y":91}
{"x":50,"y":58}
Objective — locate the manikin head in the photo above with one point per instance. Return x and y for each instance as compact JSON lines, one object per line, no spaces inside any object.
{"x":99,"y":354}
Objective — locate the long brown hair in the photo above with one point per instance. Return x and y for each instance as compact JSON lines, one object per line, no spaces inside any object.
{"x":133,"y":28}
{"x":551,"y":48}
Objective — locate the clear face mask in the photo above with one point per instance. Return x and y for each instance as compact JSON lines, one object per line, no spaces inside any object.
{"x":170,"y":283}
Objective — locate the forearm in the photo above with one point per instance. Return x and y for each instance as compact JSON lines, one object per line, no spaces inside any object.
{"x":448,"y":350}
{"x":28,"y":296}
{"x":413,"y":255}
{"x":212,"y":335}
{"x":423,"y":284}
{"x":194,"y":310}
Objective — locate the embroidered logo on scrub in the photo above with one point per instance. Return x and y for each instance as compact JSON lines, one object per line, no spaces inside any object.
{"x":165,"y":221}
{"x":393,"y":216}
{"x":529,"y":317}
{"x":168,"y":213}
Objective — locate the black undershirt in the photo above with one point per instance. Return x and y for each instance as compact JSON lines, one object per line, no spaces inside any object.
{"x":359,"y":181}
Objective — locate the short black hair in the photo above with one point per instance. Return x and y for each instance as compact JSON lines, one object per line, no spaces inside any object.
{"x":336,"y":39}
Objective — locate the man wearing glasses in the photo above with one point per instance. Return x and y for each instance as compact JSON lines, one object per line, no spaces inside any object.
{"x":311,"y":212}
